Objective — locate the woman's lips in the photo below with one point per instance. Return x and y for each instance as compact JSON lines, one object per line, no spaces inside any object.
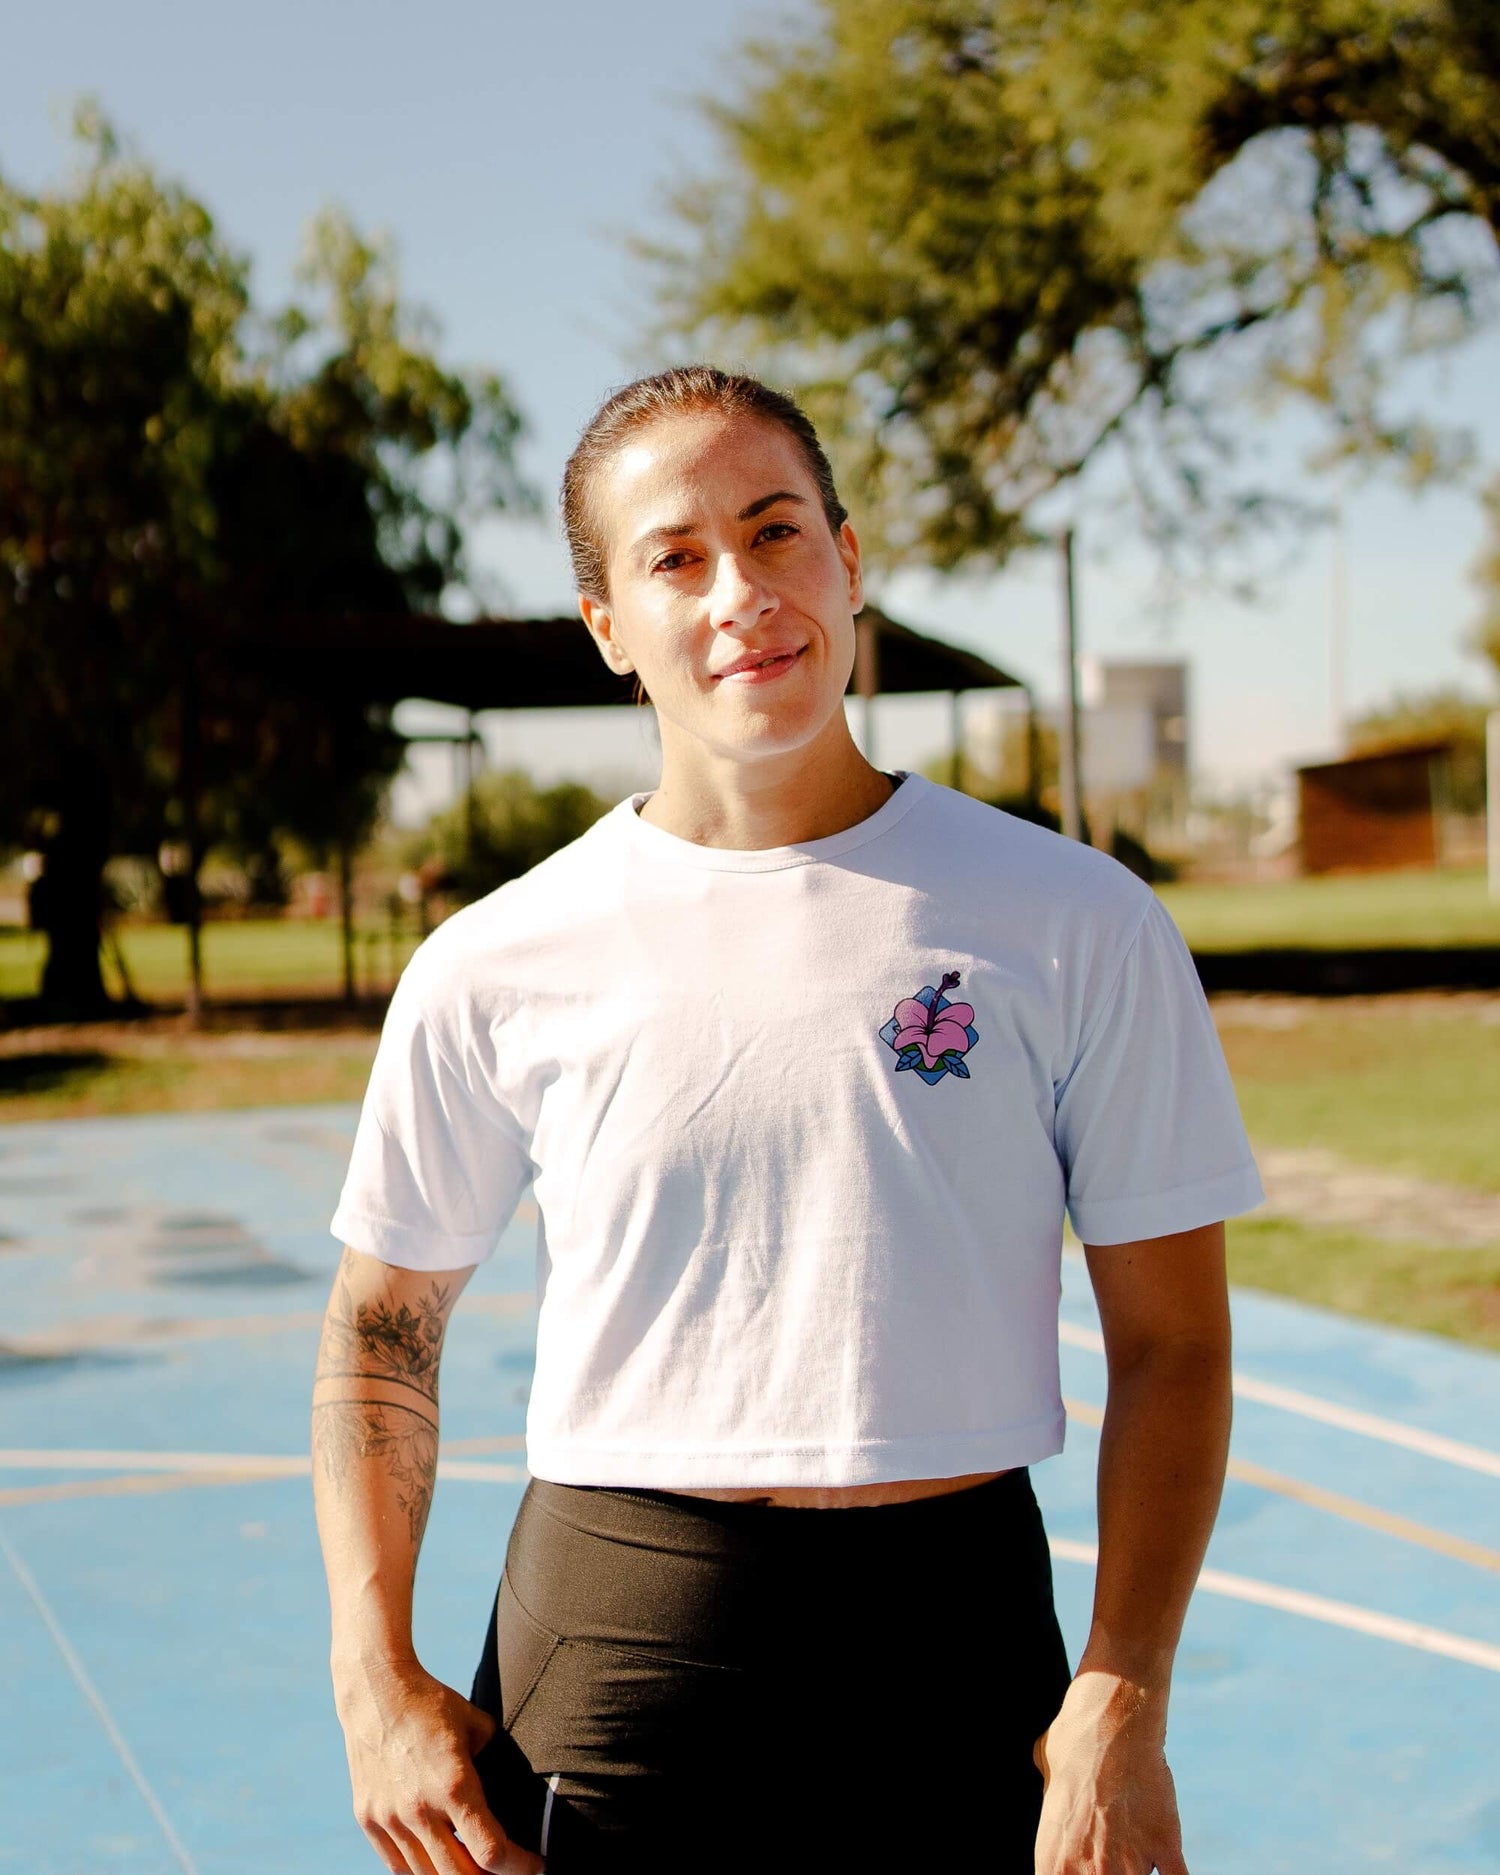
{"x":765,"y":673}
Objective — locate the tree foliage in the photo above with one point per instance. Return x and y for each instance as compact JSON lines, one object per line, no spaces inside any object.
{"x":987,"y":238}
{"x":174,"y":467}
{"x":513,"y":826}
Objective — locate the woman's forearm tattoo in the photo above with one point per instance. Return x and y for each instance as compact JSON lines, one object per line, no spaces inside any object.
{"x":400,"y":1347}
{"x":347,"y":1430}
{"x":375,"y":1342}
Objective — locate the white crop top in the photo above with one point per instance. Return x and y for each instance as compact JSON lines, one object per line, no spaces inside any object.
{"x":801,"y":1124}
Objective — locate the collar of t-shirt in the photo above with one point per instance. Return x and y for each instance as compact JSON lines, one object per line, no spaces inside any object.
{"x":656,"y":841}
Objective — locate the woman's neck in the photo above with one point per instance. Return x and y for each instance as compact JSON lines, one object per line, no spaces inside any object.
{"x":807,"y":794}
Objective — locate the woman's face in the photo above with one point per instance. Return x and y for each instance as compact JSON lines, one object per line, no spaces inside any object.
{"x":729,"y":595}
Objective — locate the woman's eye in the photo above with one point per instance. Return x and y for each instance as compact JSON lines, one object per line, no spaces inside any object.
{"x":779,"y":530}
{"x":669,"y":562}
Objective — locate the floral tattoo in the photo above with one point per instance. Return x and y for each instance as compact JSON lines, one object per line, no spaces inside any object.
{"x":394,"y":1347}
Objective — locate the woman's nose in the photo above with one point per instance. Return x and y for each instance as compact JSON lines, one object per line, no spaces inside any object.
{"x":739,"y":596}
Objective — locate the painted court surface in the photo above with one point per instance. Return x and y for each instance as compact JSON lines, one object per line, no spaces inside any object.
{"x":163,"y":1616}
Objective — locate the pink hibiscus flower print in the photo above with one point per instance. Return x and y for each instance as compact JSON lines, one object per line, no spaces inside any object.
{"x":931,"y":1036}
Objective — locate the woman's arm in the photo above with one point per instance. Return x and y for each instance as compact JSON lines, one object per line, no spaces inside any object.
{"x":1110,"y":1806}
{"x":410,"y":1739}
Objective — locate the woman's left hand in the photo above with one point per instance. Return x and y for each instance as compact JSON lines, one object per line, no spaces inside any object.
{"x":1109,"y":1805}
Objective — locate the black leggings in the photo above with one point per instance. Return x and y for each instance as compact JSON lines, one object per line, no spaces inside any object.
{"x":684,"y":1685}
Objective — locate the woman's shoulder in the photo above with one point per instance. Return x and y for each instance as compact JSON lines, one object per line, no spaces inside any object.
{"x":1007,"y":853}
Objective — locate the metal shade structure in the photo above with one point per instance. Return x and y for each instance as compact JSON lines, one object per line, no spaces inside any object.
{"x":528,"y":664}
{"x":550,"y":663}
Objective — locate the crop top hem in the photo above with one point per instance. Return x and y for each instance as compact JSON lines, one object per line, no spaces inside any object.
{"x":865,"y":1461}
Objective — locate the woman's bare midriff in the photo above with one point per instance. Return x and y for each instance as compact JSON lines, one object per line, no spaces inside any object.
{"x":844,"y":1496}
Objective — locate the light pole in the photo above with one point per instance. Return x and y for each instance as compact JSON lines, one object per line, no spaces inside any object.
{"x":1338,"y":630}
{"x":1070,"y":788}
{"x":1492,"y":799}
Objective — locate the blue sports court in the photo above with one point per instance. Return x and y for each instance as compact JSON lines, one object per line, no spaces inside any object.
{"x":163,"y":1615}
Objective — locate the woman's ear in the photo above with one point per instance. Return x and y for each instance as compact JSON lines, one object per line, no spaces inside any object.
{"x":600,"y":620}
{"x":848,"y":545}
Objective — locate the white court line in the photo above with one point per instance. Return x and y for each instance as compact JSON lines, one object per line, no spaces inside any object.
{"x":1214,"y":1581}
{"x":1347,"y":1418}
{"x":261,"y":1464}
{"x":481,"y":1472}
{"x":96,"y":1699}
{"x":253,"y":1464}
{"x":1320,"y":1608}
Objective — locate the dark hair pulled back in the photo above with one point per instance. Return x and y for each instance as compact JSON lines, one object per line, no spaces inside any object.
{"x":682,"y":391}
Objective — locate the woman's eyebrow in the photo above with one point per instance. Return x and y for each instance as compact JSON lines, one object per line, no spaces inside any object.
{"x":766,"y":501}
{"x":670,"y":531}
{"x":673,"y":530}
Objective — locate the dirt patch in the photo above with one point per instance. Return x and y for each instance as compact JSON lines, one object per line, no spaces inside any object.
{"x":228,"y":1036}
{"x":1281,"y":1013}
{"x":1311,"y":1186}
{"x":24,"y":1026}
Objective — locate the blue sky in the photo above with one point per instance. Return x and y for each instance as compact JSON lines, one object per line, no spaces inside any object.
{"x":510,"y":148}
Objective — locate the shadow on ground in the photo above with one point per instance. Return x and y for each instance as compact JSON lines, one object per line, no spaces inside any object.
{"x":287,"y":1012}
{"x":52,"y":1071}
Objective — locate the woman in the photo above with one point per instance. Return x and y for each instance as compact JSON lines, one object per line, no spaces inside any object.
{"x":805,"y":1062}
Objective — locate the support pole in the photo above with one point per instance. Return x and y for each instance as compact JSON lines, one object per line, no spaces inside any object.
{"x":189,"y":782}
{"x":346,"y":912}
{"x":1338,"y":632}
{"x":1070,"y":787}
{"x":1492,"y":799}
{"x":956,"y":740}
{"x":1440,"y":795}
{"x":469,"y":740}
{"x":867,"y":678}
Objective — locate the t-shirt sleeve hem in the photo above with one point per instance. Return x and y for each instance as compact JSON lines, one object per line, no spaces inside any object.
{"x":1159,"y":1214}
{"x":408,"y":1246}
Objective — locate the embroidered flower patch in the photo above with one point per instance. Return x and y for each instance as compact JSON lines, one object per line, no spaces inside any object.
{"x":930,"y":1035}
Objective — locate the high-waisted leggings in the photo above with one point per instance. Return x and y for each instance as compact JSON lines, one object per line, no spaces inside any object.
{"x":686,"y":1685}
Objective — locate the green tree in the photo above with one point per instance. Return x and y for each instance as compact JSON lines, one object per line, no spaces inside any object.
{"x":511,"y":827}
{"x":174,"y":467}
{"x":987,"y":238}
{"x":1446,"y":715}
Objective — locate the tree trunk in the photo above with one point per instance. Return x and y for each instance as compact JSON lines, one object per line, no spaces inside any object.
{"x":346,"y":915}
{"x":190,"y":761}
{"x":67,"y":900}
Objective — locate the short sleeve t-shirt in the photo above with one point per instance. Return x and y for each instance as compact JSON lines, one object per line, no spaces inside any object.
{"x":801,"y":1124}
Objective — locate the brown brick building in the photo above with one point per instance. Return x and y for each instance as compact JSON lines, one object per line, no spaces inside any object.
{"x":1372,"y":813}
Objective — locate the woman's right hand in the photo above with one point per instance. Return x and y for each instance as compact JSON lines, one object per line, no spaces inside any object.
{"x":411,"y":1744}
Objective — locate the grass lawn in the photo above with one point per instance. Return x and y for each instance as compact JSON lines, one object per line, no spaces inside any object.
{"x":1357,"y":911}
{"x":301,"y":956}
{"x":54,"y":1083}
{"x":1408,"y":1083}
{"x":20,"y":961}
{"x":241,"y":958}
{"x":1442,"y":1292}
